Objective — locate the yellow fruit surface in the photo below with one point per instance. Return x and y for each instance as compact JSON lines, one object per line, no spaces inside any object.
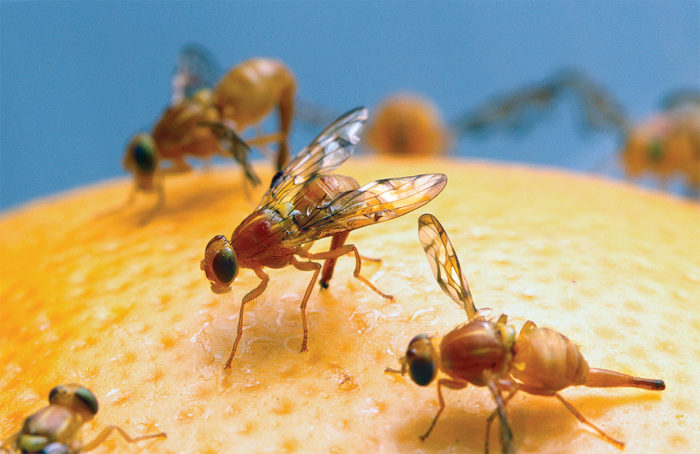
{"x":95,"y":297}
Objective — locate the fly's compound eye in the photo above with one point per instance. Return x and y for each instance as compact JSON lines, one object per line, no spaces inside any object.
{"x":53,"y":394}
{"x":86,"y":396}
{"x":420,"y":357}
{"x":219,"y":264}
{"x":143,"y":154}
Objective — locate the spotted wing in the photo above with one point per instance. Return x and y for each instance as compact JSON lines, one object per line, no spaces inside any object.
{"x":324,"y":154}
{"x":444,"y":263}
{"x":375,"y":202}
{"x":196,"y":69}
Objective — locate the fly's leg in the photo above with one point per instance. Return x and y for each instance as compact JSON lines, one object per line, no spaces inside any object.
{"x":316,"y":268}
{"x":108,"y":430}
{"x":264,"y":149}
{"x":329,"y":265}
{"x":346,"y":249}
{"x":337,"y":241}
{"x":178,"y":166}
{"x":257,"y":291}
{"x":286,"y":115}
{"x":500,"y":411}
{"x":618,"y":444}
{"x":159,"y":204}
{"x":452,"y":384}
{"x":264,"y":139}
{"x":539,"y":391}
{"x":8,"y":443}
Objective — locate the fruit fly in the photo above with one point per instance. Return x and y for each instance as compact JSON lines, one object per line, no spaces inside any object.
{"x":666,"y":145}
{"x":408,"y":125}
{"x":404,"y":125}
{"x":55,"y":429}
{"x":204,"y":122}
{"x":487,"y":352}
{"x":305,"y":203}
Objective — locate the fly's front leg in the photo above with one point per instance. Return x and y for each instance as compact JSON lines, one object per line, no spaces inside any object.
{"x":257,"y":291}
{"x":346,"y":249}
{"x":8,"y":444}
{"x":159,"y":204}
{"x":452,"y":384}
{"x":108,"y":430}
{"x":316,"y":268}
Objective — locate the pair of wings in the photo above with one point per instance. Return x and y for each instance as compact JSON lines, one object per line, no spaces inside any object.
{"x":196,"y":69}
{"x":374,"y":202}
{"x":444,"y":263}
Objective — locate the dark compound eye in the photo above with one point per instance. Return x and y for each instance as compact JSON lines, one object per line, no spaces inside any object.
{"x":224,"y":265}
{"x":422,"y":370}
{"x":144,"y":154}
{"x":420,"y":357}
{"x":52,"y":394}
{"x":88,"y":398}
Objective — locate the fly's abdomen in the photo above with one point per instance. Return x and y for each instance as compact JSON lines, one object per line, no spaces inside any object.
{"x":548,"y":360}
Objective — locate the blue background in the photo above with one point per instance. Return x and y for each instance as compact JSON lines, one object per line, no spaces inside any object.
{"x":79,"y":78}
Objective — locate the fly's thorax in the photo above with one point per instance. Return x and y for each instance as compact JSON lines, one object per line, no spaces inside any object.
{"x":318,"y":192}
{"x":257,"y":241}
{"x":180,"y":130}
{"x":547,"y":359}
{"x":473,"y":348}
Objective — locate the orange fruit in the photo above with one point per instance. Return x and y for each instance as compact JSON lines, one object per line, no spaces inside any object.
{"x":125,"y":310}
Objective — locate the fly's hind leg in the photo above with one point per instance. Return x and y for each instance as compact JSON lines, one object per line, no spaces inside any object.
{"x":618,"y":444}
{"x":346,"y":249}
{"x":108,"y":430}
{"x":329,"y":265}
{"x":337,"y":241}
{"x":316,"y":268}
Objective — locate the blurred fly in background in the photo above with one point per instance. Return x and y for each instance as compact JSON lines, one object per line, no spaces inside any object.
{"x":204,"y":119}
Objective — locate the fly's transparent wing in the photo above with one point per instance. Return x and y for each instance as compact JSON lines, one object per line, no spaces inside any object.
{"x":444,"y":263}
{"x":236,"y":146}
{"x":324,"y":154}
{"x":196,"y":69}
{"x":688,"y":98}
{"x":375,"y":202}
{"x":517,"y":111}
